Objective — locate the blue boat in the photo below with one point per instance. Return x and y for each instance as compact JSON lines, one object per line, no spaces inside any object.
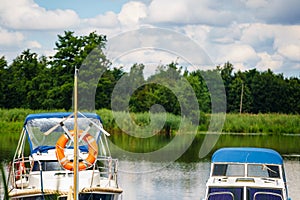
{"x":246,"y":174}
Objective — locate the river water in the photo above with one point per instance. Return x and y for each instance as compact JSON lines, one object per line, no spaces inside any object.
{"x":179,"y":180}
{"x":186,"y":177}
{"x":184,"y":181}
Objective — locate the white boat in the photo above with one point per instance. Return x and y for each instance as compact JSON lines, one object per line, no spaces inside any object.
{"x":246,"y":174}
{"x":43,"y":166}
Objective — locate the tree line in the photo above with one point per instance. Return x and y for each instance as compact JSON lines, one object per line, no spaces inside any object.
{"x":39,"y":82}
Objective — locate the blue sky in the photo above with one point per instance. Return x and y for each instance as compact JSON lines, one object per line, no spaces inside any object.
{"x":250,"y":34}
{"x":85,"y":9}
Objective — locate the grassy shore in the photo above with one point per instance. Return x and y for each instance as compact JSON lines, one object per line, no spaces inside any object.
{"x":262,"y":123}
{"x":11,"y":122}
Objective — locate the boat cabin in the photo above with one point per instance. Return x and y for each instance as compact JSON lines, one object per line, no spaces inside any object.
{"x":246,"y":174}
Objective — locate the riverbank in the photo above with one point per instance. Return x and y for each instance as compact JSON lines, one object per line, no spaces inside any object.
{"x":11,"y":122}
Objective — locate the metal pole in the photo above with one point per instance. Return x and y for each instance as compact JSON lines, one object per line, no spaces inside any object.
{"x":241,"y":102}
{"x":75,"y":161}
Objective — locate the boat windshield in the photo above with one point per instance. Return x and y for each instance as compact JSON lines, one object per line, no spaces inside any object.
{"x":262,"y":170}
{"x":39,"y":141}
{"x":228,"y":170}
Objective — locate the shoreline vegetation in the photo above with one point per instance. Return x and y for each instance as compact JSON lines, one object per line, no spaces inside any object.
{"x":235,"y":123}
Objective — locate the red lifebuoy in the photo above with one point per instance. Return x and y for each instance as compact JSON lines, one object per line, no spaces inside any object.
{"x":20,"y":169}
{"x":82,"y":165}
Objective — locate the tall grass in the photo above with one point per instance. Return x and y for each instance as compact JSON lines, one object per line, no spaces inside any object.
{"x":142,"y":124}
{"x":262,"y":123}
{"x":11,"y":122}
{"x":19,"y":114}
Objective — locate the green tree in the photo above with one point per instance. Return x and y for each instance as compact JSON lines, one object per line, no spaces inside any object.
{"x":125,"y":93}
{"x":239,"y":95}
{"x":268,"y":91}
{"x":167,"y":79}
{"x":71,"y":52}
{"x":3,"y":82}
{"x":293,"y":95}
{"x":24,"y":81}
{"x":227,"y":76}
{"x":39,"y":85}
{"x":198,"y":83}
{"x":106,"y":86}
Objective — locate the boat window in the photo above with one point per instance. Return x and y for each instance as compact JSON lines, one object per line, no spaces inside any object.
{"x":228,"y":170}
{"x":264,"y":193}
{"x":219,"y":169}
{"x":230,"y":193}
{"x":267,"y":171}
{"x":47,"y":166}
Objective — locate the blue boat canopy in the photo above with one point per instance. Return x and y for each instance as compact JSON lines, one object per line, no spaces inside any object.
{"x":59,"y":115}
{"x":247,"y":155}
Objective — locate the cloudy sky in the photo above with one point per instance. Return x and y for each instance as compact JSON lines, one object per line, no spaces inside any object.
{"x":250,"y":34}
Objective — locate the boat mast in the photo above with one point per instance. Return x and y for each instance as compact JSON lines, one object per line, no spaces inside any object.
{"x":75,"y":161}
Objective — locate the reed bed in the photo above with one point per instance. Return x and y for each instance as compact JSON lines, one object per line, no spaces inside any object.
{"x":11,"y":122}
{"x":262,"y":123}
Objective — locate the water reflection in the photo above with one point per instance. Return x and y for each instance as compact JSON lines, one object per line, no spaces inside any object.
{"x":292,"y":168}
{"x":181,"y":180}
{"x":176,"y":181}
{"x":284,"y":144}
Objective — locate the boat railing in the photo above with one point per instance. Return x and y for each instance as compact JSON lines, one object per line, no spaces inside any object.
{"x":21,"y":168}
{"x":220,"y":196}
{"x":267,"y":195}
{"x":19,"y":172}
{"x":108,"y":167}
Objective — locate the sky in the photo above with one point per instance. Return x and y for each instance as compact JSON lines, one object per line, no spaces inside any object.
{"x":261,"y":34}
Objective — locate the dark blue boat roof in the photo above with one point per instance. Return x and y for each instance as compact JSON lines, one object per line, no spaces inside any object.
{"x":247,"y":155}
{"x":59,"y":115}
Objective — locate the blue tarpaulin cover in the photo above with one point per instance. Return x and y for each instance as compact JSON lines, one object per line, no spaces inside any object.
{"x":59,"y":115}
{"x":247,"y":155}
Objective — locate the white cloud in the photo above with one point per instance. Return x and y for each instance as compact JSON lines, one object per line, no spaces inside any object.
{"x":108,"y":20}
{"x":132,"y":13}
{"x":10,"y":38}
{"x":275,"y":11}
{"x":148,"y":56}
{"x":247,"y":33}
{"x":25,"y":14}
{"x":226,"y":35}
{"x":286,"y":35}
{"x":237,"y":53}
{"x":33,"y":45}
{"x":255,"y":34}
{"x":291,"y":52}
{"x":268,"y":61}
{"x":188,"y":12}
{"x":199,"y":33}
{"x":254,"y":4}
{"x":282,"y":34}
{"x":169,"y":11}
{"x":281,"y":39}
